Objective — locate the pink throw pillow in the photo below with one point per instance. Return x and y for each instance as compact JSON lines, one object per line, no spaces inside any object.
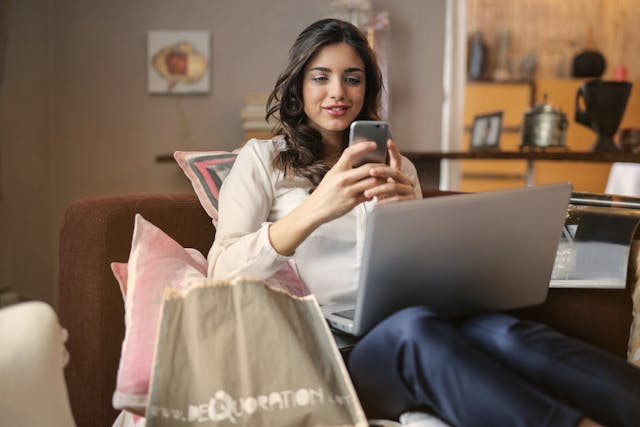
{"x":156,"y":261}
{"x":119,"y":270}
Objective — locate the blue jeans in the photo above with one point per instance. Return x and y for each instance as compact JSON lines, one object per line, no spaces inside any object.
{"x":490,"y":370}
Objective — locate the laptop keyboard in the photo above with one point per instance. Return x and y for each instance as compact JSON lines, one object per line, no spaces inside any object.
{"x":347,"y":314}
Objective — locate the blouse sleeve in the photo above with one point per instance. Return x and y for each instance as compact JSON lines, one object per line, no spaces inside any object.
{"x":241,"y":246}
{"x":409,"y":169}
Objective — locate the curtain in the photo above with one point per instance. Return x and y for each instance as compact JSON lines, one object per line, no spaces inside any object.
{"x":4,"y":33}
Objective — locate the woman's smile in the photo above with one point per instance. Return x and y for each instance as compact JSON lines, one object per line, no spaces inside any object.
{"x":336,"y":110}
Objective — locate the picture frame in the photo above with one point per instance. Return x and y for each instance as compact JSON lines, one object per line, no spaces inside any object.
{"x":486,"y":131}
{"x":178,"y":62}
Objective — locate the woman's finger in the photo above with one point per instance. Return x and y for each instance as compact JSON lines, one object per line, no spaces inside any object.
{"x":395,"y":159}
{"x":351,"y":153}
{"x":350,"y":176}
{"x":362,"y":186}
{"x":390,"y":189}
{"x":397,"y":175}
{"x":393,"y":199}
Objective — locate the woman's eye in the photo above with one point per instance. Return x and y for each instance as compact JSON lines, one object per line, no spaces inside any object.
{"x":320,"y":79}
{"x":352,"y":80}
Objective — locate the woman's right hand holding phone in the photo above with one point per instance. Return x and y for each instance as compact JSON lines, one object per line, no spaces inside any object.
{"x":342,"y":188}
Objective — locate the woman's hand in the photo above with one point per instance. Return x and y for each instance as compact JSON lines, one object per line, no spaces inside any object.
{"x":342,"y":188}
{"x":395,"y":185}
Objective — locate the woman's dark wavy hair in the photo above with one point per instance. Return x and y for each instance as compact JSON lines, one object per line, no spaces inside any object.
{"x":304,"y":150}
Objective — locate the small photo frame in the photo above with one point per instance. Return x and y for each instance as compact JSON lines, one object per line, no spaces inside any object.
{"x":485,"y":133}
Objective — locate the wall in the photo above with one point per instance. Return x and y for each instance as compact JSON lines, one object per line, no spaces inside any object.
{"x":26,"y":223}
{"x":558,"y":30}
{"x":76,"y":120}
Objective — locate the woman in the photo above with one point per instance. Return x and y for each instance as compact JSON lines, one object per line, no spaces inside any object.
{"x":297,"y":201}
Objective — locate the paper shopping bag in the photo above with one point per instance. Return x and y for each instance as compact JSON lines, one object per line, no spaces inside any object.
{"x":244,"y":354}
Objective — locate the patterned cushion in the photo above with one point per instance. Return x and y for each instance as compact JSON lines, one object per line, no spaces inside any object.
{"x":206,"y":170}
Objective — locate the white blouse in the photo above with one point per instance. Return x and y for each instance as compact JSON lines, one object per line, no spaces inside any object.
{"x":254,"y":195}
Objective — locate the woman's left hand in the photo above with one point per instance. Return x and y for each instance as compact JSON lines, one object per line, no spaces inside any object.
{"x":397,"y":186}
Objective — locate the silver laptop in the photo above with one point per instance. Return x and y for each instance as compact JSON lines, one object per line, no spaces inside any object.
{"x":457,"y":255}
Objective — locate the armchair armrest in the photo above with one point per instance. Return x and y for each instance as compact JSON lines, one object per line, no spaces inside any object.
{"x":95,"y":232}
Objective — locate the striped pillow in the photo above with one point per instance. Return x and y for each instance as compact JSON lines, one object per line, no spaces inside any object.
{"x":206,"y":170}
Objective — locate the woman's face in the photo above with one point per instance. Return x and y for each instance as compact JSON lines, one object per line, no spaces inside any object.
{"x":333,"y":89}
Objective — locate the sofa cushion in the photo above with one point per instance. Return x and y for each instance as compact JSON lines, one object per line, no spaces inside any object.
{"x":156,"y":261}
{"x":206,"y":170}
{"x":119,"y":270}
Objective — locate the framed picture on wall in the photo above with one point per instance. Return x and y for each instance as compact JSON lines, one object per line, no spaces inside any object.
{"x":486,"y":130}
{"x":178,"y":62}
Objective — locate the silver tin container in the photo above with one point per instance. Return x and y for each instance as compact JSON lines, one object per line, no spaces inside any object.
{"x":544,"y":126}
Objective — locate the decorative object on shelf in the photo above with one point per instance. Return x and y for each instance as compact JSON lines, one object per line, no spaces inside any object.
{"x":629,"y":139}
{"x":544,"y":126}
{"x":485,"y":133}
{"x":620,"y":73}
{"x":254,"y":123}
{"x":357,"y":12}
{"x":503,"y":70}
{"x":178,"y":62}
{"x":477,"y":60}
{"x":378,"y":33}
{"x":600,"y":105}
{"x":528,"y":66}
{"x":589,"y":62}
{"x":624,"y":180}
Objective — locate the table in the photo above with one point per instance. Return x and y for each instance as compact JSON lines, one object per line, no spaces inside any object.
{"x":428,"y":163}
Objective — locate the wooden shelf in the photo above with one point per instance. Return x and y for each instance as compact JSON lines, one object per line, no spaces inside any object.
{"x":573,"y":156}
{"x":428,"y":163}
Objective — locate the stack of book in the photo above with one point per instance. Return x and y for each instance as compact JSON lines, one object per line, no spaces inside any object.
{"x":253,"y":115}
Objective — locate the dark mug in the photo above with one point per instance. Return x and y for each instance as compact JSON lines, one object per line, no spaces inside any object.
{"x":605,"y":103}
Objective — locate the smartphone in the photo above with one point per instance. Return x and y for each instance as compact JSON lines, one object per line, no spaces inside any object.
{"x":370,"y":130}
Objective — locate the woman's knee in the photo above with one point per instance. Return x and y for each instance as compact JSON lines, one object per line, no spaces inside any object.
{"x":415,"y":325}
{"x":501,"y":332}
{"x":399,"y":354}
{"x":413,"y":331}
{"x":408,"y":319}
